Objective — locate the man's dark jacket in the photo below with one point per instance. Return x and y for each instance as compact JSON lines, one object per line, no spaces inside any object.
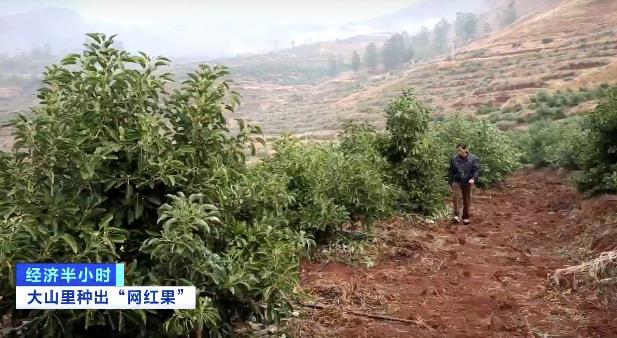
{"x":462,"y":169}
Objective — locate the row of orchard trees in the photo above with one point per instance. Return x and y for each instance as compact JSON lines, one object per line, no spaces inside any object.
{"x":112,"y":166}
{"x":586,"y":144}
{"x":400,"y":48}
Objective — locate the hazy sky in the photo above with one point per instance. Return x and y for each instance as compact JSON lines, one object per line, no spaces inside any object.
{"x":269,"y":12}
{"x":217,"y":28}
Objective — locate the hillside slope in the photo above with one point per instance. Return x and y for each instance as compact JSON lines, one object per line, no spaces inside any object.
{"x":573,"y":44}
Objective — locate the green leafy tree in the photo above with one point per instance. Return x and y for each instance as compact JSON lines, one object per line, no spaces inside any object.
{"x":421,"y":44}
{"x":341,"y":64}
{"x":111,"y":166}
{"x":333,"y":67}
{"x":393,"y":51}
{"x":355,"y":62}
{"x":440,"y":41}
{"x":413,"y":152}
{"x":408,"y":51}
{"x":371,"y":56}
{"x":508,"y":15}
{"x":331,"y":185}
{"x":553,"y":143}
{"x":487,"y":28}
{"x":466,"y":26}
{"x":599,"y":159}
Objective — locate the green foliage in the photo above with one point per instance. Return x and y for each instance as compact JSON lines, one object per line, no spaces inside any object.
{"x":282,"y":72}
{"x":466,"y":26}
{"x":508,"y":15}
{"x":371,"y":56}
{"x":498,"y":154}
{"x":590,"y":145}
{"x":547,"y":40}
{"x":599,"y":165}
{"x":341,"y":64}
{"x":112,"y":167}
{"x":440,"y":41}
{"x":421,"y":45}
{"x":396,"y":51}
{"x":413,"y":153}
{"x":407,"y":120}
{"x":552,"y":143}
{"x":486,"y":109}
{"x":331,"y":186}
{"x":553,"y":105}
{"x":333,"y":67}
{"x":362,"y":138}
{"x":545,"y":111}
{"x":355,"y":62}
{"x":512,"y":109}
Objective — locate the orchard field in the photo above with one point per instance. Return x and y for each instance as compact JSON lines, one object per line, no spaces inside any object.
{"x":344,"y":238}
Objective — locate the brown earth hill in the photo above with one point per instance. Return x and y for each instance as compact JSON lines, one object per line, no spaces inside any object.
{"x":571,"y":44}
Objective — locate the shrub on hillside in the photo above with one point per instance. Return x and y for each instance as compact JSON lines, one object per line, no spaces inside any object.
{"x":112,"y":168}
{"x":599,"y":164}
{"x":486,"y":109}
{"x":498,"y":154}
{"x":574,"y":99}
{"x":544,"y":111}
{"x":330,"y":186}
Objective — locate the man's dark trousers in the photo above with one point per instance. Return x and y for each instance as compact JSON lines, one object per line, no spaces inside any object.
{"x":462,"y":190}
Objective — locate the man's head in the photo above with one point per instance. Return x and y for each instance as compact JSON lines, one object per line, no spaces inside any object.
{"x":461,"y":149}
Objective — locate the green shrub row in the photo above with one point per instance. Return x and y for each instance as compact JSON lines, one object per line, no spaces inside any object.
{"x":550,"y":143}
{"x":111,"y":167}
{"x":587,"y":144}
{"x":498,"y":155}
{"x":598,"y":160}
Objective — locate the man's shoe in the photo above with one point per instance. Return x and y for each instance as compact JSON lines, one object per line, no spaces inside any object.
{"x":456,"y":219}
{"x":466,"y":221}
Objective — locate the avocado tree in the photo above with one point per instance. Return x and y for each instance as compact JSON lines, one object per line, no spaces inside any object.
{"x":114,"y":166}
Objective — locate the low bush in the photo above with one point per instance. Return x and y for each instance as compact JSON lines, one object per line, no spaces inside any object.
{"x":599,"y":163}
{"x":574,"y":99}
{"x":552,"y":143}
{"x":544,"y":111}
{"x":497,"y":152}
{"x":512,"y":109}
{"x":329,"y":186}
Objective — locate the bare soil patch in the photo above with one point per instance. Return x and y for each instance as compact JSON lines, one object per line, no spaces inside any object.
{"x":484,"y":280}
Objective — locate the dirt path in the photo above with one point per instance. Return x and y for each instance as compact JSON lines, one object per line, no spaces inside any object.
{"x":484,"y":280}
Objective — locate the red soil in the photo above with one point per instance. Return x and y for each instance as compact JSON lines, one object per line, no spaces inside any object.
{"x":484,"y":280}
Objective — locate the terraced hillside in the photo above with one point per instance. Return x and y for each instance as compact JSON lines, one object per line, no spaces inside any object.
{"x":571,"y":48}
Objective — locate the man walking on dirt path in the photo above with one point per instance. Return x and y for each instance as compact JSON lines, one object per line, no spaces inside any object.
{"x":464,"y":171}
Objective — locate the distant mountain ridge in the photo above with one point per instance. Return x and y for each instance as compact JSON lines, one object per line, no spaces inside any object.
{"x":62,"y":30}
{"x":23,"y":32}
{"x":426,"y":9}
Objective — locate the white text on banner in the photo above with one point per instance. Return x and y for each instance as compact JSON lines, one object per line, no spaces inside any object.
{"x":105,"y":297}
